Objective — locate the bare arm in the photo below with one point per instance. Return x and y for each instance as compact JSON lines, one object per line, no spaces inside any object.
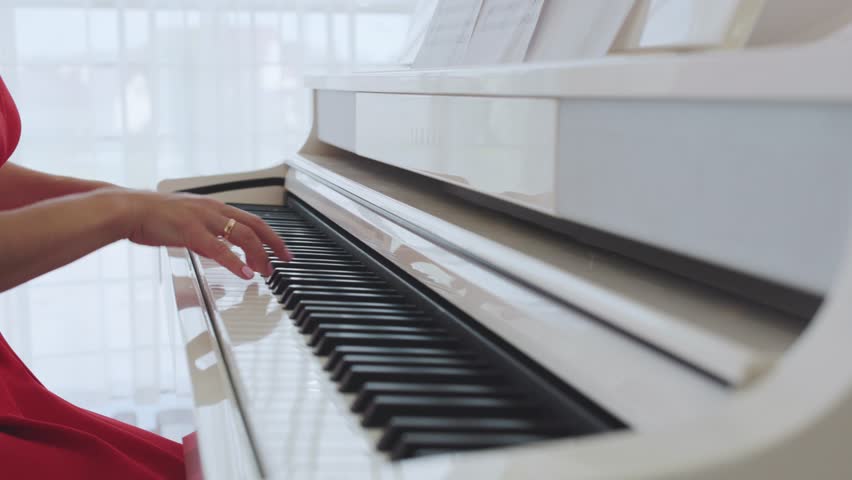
{"x":46,"y":235}
{"x":21,"y":186}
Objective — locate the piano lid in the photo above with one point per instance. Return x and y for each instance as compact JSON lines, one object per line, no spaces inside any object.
{"x":817,"y":71}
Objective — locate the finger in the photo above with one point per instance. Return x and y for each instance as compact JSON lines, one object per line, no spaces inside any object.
{"x":242,"y":237}
{"x":256,"y":258}
{"x":219,"y":251}
{"x":262,"y":230}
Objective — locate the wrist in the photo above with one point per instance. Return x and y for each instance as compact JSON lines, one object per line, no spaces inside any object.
{"x":119,"y":211}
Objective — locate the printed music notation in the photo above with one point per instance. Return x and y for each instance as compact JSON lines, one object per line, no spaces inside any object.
{"x":475,"y":32}
{"x":490,"y":32}
{"x":503,"y":31}
{"x":449,"y":33}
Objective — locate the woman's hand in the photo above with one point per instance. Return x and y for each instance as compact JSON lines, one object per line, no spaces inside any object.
{"x":196,"y":222}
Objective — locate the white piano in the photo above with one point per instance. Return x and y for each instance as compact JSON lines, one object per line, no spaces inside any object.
{"x":623,"y":268}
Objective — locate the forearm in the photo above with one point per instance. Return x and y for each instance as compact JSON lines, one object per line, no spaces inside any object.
{"x":47,"y":235}
{"x":20,"y":186}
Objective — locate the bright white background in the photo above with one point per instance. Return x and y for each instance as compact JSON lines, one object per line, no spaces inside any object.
{"x":133,"y":91}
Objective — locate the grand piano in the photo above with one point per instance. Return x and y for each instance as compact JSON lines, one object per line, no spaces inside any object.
{"x":630,"y":267}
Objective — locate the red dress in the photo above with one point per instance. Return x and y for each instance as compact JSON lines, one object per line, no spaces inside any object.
{"x":44,"y":437}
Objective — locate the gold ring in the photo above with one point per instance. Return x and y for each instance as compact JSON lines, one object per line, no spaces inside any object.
{"x":229,"y":227}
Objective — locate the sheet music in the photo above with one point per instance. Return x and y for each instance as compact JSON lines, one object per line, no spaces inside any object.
{"x":423,"y":14}
{"x":698,"y":23}
{"x":449,"y":33}
{"x":503,"y":31}
{"x":476,"y":32}
{"x":572,"y":29}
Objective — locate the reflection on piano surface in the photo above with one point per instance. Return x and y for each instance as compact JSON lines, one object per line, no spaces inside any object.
{"x":604,"y":269}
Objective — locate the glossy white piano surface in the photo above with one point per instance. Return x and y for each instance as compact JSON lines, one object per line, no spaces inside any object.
{"x":591,"y":143}
{"x":301,"y":427}
{"x":711,"y":384}
{"x":223,"y":446}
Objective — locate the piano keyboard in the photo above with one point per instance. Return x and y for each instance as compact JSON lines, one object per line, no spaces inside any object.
{"x":423,"y":374}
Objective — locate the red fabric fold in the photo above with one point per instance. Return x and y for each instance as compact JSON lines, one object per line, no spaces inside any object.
{"x":43,"y":436}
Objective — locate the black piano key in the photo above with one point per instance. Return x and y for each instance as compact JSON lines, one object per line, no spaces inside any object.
{"x":341,"y":279}
{"x":283,"y":279}
{"x":383,"y":407}
{"x":332,"y":340}
{"x":307,"y":311}
{"x":341,"y":351}
{"x":303,"y":228}
{"x":358,"y":375}
{"x":427,"y":452}
{"x":312,"y":243}
{"x":278,"y":221}
{"x":308,"y":306}
{"x":304,"y":238}
{"x":303,"y":249}
{"x":287,"y":217}
{"x":319,"y":248}
{"x":323,"y":265}
{"x":408,"y":310}
{"x":299,"y":256}
{"x":349,"y":361}
{"x":399,"y":425}
{"x":329,"y":282}
{"x":283,"y":274}
{"x":372,"y":389}
{"x":279,"y":281}
{"x":432,"y":390}
{"x":310,"y":324}
{"x":306,"y":263}
{"x":288,"y":271}
{"x":294,"y":292}
{"x":318,"y":285}
{"x":293,"y":234}
{"x":300,"y":296}
{"x":303,"y":232}
{"x":324,"y":329}
{"x":419,"y":444}
{"x":258,"y":209}
{"x":283,"y":227}
{"x":290,"y":234}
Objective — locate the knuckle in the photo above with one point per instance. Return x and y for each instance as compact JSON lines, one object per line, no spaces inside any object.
{"x":256,"y":221}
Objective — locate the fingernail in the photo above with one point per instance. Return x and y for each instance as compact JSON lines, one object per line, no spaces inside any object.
{"x":248,"y":273}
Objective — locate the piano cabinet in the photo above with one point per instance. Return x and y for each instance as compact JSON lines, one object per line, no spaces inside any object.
{"x":435,"y":325}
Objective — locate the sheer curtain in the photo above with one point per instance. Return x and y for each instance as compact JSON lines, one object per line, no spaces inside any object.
{"x":132,"y":91}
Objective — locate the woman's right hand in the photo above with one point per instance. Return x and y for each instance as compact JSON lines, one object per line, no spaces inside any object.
{"x":197,"y":223}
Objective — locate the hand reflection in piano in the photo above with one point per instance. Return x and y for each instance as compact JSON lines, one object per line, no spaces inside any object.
{"x":200,"y":355}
